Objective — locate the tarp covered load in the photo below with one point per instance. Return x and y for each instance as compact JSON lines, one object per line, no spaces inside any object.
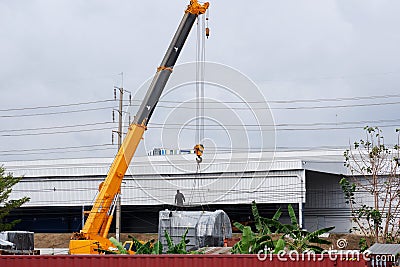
{"x":23,"y":240}
{"x":205,"y":228}
{"x":6,"y":244}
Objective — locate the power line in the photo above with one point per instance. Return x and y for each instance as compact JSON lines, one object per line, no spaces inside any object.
{"x":56,"y":127}
{"x":333,"y":99}
{"x":339,"y":99}
{"x":55,"y":148}
{"x":285,"y":124}
{"x":157,"y":124}
{"x":279,"y":108}
{"x":193,"y":128}
{"x":57,"y":152}
{"x":267,"y":128}
{"x":341,"y":106}
{"x":220,"y":148}
{"x":53,"y":113}
{"x":57,"y":106}
{"x":210,"y":108}
{"x":217,"y":149}
{"x":57,"y":132}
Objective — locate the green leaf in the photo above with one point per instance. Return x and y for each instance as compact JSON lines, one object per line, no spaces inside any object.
{"x":280,"y":246}
{"x":170,"y":243}
{"x":247,"y":239}
{"x":239,"y":226}
{"x":256,"y":216}
{"x":118,"y":245}
{"x":323,"y":230}
{"x":157,"y":248}
{"x":277,"y":214}
{"x":179,"y":248}
{"x":292,"y":215}
{"x":273,"y":224}
{"x":145,"y":248}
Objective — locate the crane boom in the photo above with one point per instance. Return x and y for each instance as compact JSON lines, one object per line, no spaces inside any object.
{"x":93,"y":236}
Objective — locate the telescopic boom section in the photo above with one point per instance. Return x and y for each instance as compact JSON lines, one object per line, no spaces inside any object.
{"x":93,"y":236}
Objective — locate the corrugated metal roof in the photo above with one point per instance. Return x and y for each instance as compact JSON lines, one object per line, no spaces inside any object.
{"x":153,"y":180}
{"x":183,"y":164}
{"x":385,"y":249}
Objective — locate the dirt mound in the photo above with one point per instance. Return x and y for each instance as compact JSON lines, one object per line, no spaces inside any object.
{"x":51,"y":240}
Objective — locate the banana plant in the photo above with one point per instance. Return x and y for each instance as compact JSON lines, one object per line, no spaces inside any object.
{"x":252,"y":243}
{"x":247,"y":242}
{"x":118,"y":245}
{"x":149,"y":247}
{"x":302,"y":240}
{"x":179,"y":248}
{"x":290,"y":236}
{"x":157,"y":248}
{"x":266,"y":226}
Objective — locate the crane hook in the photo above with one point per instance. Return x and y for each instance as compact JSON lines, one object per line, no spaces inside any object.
{"x":199,"y":160}
{"x":198,"y":150}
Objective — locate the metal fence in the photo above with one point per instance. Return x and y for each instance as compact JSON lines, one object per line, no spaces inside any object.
{"x":178,"y":261}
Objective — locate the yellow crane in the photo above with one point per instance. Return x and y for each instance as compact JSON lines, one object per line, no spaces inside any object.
{"x":94,"y":234}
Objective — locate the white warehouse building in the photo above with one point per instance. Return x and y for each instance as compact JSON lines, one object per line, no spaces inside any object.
{"x":61,"y":189}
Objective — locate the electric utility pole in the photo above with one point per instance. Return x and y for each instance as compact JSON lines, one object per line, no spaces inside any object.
{"x":119,"y":132}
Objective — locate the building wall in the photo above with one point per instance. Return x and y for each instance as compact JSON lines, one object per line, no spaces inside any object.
{"x":199,"y":189}
{"x":145,"y":193}
{"x":325,"y":204}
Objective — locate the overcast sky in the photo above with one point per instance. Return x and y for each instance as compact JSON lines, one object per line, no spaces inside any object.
{"x":67,"y":52}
